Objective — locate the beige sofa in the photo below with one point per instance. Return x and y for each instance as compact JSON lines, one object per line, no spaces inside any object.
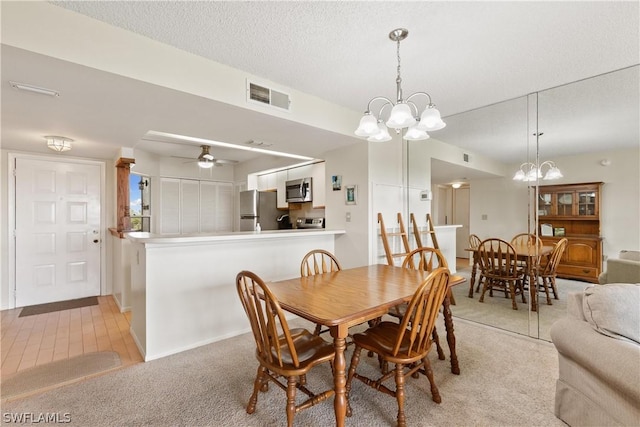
{"x":624,"y":269}
{"x":598,"y":345}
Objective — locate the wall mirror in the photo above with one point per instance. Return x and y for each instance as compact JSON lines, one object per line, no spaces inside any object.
{"x":600,"y":112}
{"x":490,"y":203}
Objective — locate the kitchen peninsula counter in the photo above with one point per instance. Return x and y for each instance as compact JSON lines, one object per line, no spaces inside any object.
{"x":183,"y":291}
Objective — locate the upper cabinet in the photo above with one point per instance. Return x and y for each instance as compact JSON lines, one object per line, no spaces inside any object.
{"x":577,"y":201}
{"x":318,"y":185}
{"x":281,"y":179}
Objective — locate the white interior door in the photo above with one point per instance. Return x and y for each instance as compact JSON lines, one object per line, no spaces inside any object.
{"x":57,"y":231}
{"x":461,"y":216}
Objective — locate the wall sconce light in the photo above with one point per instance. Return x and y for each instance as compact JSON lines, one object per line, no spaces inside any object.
{"x":58,"y":143}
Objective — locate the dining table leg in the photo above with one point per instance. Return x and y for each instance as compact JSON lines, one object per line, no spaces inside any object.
{"x":339,"y":334}
{"x":451,"y":338}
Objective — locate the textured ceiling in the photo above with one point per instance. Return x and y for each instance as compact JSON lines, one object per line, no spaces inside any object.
{"x":467,"y":55}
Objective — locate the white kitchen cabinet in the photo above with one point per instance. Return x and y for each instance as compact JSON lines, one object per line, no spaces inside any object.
{"x":192,"y":206}
{"x":281,"y":179}
{"x":299,"y":172}
{"x":318,"y":185}
{"x":267,"y":182}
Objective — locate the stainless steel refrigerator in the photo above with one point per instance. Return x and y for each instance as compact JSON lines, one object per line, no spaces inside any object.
{"x":258,"y":207}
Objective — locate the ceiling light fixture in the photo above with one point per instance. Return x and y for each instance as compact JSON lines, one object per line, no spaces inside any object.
{"x":456,"y":185}
{"x":205,"y":159}
{"x":403,"y":114}
{"x":35,"y":89}
{"x":530,"y":172}
{"x":58,"y":143}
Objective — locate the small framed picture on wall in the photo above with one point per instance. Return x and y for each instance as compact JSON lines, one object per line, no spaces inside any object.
{"x":336,"y":182}
{"x":350,"y":194}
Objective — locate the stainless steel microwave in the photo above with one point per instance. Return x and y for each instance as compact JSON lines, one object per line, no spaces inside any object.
{"x":299,"y":190}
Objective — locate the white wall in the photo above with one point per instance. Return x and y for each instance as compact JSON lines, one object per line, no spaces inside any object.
{"x":352,"y":248}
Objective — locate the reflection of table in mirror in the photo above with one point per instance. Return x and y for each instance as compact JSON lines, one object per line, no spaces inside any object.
{"x":530,"y":255}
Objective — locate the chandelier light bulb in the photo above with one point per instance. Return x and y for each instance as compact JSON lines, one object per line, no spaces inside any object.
{"x":368,"y":126}
{"x":414,"y":133}
{"x":400,"y":117}
{"x":382,"y":135}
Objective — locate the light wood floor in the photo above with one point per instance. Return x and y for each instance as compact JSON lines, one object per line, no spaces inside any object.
{"x":43,"y":338}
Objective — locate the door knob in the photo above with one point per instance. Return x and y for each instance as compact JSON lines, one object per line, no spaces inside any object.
{"x":95,"y":240}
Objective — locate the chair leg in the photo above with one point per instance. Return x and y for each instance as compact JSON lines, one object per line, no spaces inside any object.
{"x":435,"y":393}
{"x":520,"y":283}
{"x":545,"y":285}
{"x":317,"y":330}
{"x":291,"y":399}
{"x":355,"y":359}
{"x":402,"y":420}
{"x":484,"y":289}
{"x":436,"y":340}
{"x":258,"y":384}
{"x":512,"y":291}
{"x":552,"y":280}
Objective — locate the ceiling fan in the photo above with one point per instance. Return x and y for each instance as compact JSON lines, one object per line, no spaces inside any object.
{"x":206,"y":160}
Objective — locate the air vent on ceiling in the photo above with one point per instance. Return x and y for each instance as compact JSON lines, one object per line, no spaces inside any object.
{"x":466,"y":157}
{"x":267,"y":96}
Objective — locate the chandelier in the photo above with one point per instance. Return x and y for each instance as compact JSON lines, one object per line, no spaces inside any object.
{"x":403,"y":113}
{"x":530,"y":172}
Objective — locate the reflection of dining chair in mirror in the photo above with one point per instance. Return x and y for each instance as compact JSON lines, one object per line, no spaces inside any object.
{"x":474,"y":242}
{"x":527,"y":240}
{"x":281,"y":352}
{"x":406,"y":344}
{"x":499,"y":269}
{"x":319,"y":261}
{"x":547,"y":270}
{"x":427,"y":259}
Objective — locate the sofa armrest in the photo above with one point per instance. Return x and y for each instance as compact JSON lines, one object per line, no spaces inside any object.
{"x":574,"y":305}
{"x":621,"y":271}
{"x":613,"y":360}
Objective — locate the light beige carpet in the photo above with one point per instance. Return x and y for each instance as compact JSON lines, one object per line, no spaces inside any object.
{"x":506,"y":380}
{"x":59,"y":372}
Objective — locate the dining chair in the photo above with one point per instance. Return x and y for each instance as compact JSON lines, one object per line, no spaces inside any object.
{"x":319,"y":261}
{"x":547,"y":271}
{"x":498,"y":263}
{"x":427,"y":259}
{"x":406,"y":344}
{"x":527,"y":239}
{"x":281,"y":352}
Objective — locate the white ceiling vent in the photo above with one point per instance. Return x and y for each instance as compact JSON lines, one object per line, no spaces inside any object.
{"x":267,"y":96}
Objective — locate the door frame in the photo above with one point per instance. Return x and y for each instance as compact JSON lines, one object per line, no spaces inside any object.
{"x":11,"y":217}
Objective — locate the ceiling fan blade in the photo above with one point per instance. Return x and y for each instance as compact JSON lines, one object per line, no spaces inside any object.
{"x":226,"y":162}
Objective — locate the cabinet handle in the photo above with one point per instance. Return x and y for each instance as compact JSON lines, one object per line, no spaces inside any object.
{"x":585,"y":271}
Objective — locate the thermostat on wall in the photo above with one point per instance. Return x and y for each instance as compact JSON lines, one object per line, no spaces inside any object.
{"x":425,"y":196}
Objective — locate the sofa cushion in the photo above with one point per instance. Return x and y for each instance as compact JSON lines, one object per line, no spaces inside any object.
{"x":614,"y":310}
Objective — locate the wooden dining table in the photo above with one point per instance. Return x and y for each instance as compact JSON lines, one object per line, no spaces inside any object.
{"x":349,"y":297}
{"x":527,"y":253}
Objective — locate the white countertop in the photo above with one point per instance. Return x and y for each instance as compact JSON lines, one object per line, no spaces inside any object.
{"x":447,"y":226}
{"x":141,"y":237}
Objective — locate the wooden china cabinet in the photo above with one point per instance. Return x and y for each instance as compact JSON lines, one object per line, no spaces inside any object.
{"x":573,"y":211}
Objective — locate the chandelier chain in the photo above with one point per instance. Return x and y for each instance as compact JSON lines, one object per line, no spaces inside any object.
{"x":398,"y":79}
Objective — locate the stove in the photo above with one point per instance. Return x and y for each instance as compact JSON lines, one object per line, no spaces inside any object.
{"x":310,"y":223}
